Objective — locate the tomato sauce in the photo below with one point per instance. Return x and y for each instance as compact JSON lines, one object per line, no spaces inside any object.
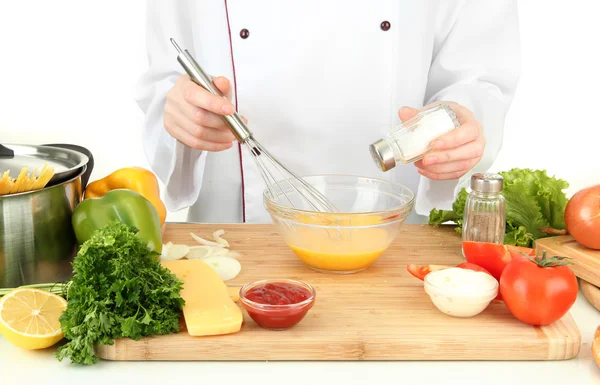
{"x":278,"y":294}
{"x":277,"y":305}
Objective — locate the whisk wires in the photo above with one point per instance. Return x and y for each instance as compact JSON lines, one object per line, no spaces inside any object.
{"x":276,"y":175}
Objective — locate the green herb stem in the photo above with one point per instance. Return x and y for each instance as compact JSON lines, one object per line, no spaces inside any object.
{"x":59,"y":288}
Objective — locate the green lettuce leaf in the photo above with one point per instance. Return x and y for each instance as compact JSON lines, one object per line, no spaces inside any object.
{"x":517,"y":236}
{"x":459,"y":204}
{"x":523,"y":209}
{"x":548,"y":191}
{"x":438,"y":217}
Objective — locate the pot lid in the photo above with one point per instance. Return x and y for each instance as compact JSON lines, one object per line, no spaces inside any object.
{"x":66,"y":163}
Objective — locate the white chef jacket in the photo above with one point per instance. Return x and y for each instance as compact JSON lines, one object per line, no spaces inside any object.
{"x":318,"y":81}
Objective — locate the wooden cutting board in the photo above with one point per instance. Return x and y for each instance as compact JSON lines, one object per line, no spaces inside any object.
{"x":382,"y":313}
{"x":585,"y":262}
{"x":591,"y":293}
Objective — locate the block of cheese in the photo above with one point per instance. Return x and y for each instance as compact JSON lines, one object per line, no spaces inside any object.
{"x":208,"y":309}
{"x":234,"y":293}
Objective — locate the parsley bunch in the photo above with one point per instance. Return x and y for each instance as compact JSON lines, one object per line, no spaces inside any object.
{"x":117,"y":291}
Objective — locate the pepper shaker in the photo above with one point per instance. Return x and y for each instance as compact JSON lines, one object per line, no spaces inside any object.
{"x":484,"y":217}
{"x":411,"y":140}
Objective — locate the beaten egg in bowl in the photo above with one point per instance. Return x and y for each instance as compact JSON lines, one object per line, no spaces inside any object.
{"x":371,"y":214}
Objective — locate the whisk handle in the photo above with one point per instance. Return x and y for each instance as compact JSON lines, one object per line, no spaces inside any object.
{"x":198,"y":76}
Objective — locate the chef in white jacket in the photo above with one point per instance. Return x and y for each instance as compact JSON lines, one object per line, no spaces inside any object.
{"x":317,"y":82}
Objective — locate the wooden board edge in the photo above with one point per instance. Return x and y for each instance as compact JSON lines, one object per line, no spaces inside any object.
{"x":591,"y":293}
{"x":564,"y":338}
{"x":581,"y":270}
{"x":106,"y":352}
{"x":475,"y":356}
{"x":561,"y":339}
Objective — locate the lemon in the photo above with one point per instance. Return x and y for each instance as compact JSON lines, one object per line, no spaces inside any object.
{"x":29,"y":318}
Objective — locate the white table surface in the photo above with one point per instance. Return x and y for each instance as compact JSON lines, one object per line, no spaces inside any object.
{"x":40,"y":367}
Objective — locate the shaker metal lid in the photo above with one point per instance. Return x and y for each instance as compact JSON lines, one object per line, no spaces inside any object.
{"x":382,"y":155}
{"x":66,"y":163}
{"x":486,"y":182}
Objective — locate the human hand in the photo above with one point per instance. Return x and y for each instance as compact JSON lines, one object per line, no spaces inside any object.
{"x":192,"y":115}
{"x":455,"y":153}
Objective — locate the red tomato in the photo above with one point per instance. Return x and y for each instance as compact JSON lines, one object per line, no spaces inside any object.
{"x":472,"y":266}
{"x":491,"y":256}
{"x":515,"y":251}
{"x":538,"y":293}
{"x":421,"y":271}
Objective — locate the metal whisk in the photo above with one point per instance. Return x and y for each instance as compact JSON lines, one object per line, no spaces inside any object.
{"x":267,"y":164}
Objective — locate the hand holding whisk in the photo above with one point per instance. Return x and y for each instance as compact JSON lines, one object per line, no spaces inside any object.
{"x":270,"y":168}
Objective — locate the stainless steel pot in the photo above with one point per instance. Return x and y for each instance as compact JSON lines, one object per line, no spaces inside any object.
{"x":37,"y":242}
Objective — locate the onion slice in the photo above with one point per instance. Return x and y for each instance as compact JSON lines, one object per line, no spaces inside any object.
{"x":219,"y":252}
{"x":165,"y":249}
{"x":175,"y":252}
{"x":204,"y":242}
{"x":227,"y":268}
{"x":233,"y":254}
{"x":217,"y":237}
{"x":199,"y":252}
{"x":208,"y":249}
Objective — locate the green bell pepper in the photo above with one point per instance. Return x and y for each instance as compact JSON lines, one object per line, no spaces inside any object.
{"x":126,"y":206}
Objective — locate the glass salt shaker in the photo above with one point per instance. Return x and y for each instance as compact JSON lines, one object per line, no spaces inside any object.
{"x":410,"y":141}
{"x":484,"y":217}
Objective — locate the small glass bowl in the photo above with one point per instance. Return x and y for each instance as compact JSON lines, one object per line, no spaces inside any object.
{"x":372,"y":212}
{"x":277,"y":317}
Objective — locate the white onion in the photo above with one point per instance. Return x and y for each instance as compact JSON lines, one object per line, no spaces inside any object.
{"x":174,"y":252}
{"x":227,"y":268}
{"x":217,"y":236}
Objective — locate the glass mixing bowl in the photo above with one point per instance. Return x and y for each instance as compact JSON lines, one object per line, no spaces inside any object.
{"x":371,"y":213}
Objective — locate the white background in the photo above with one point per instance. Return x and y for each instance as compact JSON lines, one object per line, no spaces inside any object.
{"x":68,"y":71}
{"x":67,"y":74}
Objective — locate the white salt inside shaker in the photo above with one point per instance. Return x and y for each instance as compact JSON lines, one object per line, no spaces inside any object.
{"x":411,"y":140}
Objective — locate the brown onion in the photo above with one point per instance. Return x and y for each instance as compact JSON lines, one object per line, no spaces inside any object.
{"x":582,"y":217}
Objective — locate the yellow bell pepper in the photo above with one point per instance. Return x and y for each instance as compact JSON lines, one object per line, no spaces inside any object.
{"x":137,"y":179}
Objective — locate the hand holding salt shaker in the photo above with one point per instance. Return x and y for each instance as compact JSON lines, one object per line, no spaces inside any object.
{"x":411,"y":140}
